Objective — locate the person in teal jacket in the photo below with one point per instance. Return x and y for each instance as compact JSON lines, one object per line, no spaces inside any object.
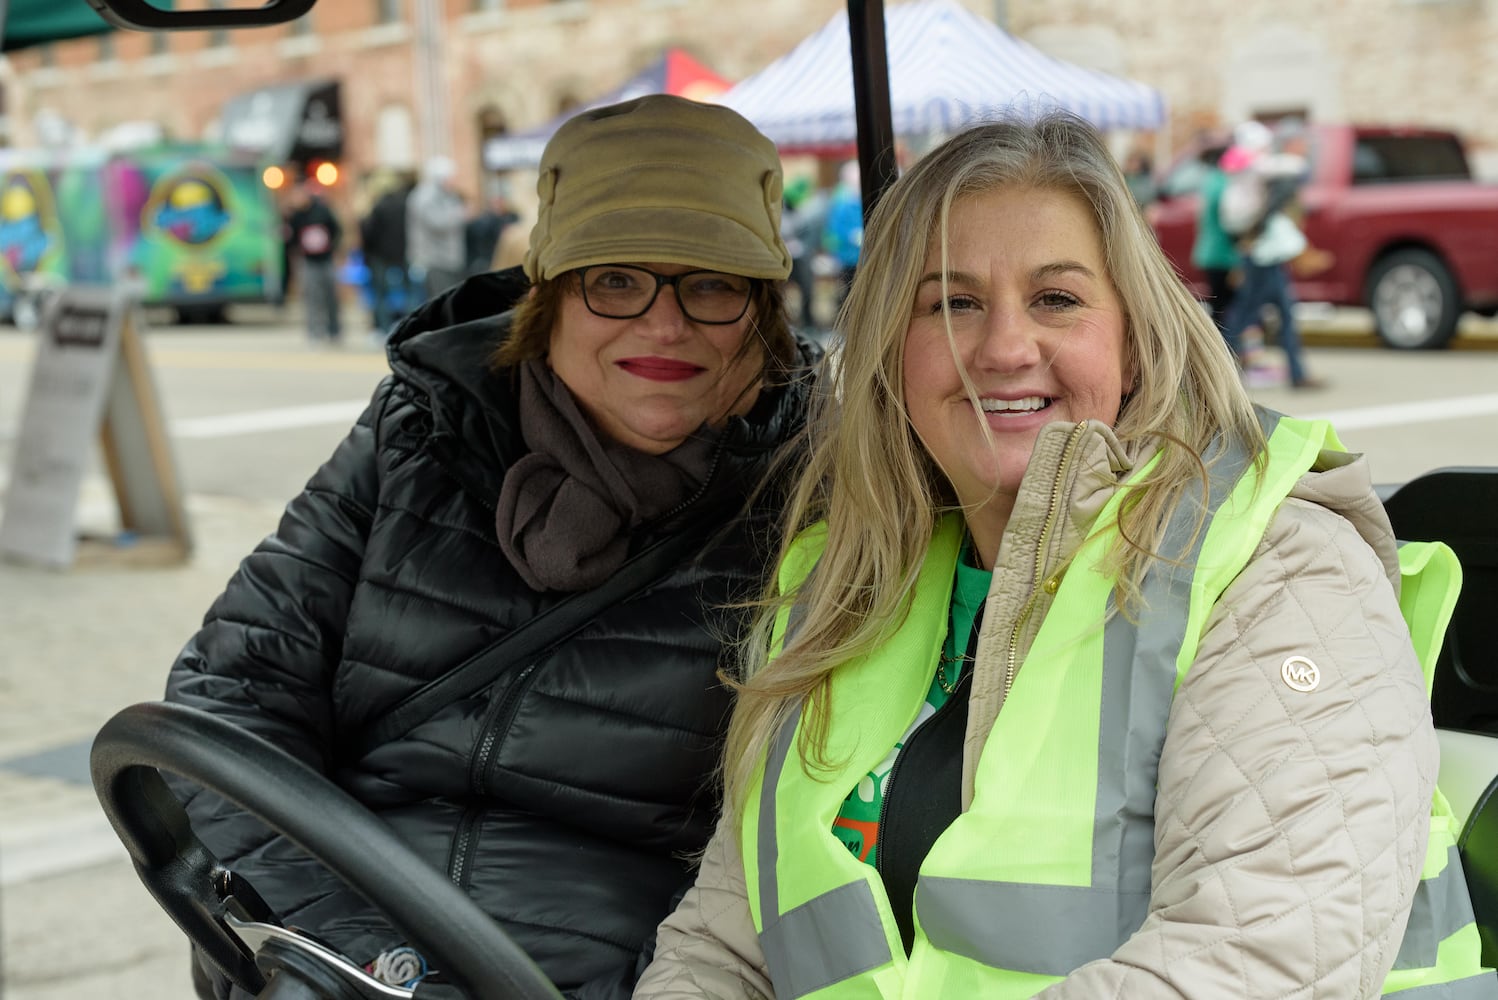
{"x":1215,"y":251}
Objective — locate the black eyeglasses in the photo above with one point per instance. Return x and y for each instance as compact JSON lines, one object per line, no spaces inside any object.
{"x":624,"y":291}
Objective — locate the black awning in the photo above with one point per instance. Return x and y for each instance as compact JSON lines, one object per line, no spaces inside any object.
{"x":286,"y":123}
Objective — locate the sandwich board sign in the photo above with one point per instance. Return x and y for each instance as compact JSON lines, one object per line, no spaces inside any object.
{"x":91,"y":381}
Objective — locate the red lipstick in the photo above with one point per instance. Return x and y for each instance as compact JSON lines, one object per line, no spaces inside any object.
{"x":661,"y":369}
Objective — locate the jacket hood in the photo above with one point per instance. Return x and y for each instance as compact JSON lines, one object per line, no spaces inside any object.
{"x":454,"y":333}
{"x":442,"y":351}
{"x":1342,"y":482}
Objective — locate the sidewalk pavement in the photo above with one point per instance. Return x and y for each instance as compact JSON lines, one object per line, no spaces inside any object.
{"x":78,"y":645}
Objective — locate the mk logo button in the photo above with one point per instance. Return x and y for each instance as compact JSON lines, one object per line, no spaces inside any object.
{"x":1300,"y":673}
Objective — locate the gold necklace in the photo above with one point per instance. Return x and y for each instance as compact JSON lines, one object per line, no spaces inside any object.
{"x":950,"y":687}
{"x":948,"y":648}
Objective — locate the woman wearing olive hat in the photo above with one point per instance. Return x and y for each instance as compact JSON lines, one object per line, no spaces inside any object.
{"x":575,"y":477}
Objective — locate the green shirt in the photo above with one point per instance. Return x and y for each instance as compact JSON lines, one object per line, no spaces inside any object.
{"x":857,"y":822}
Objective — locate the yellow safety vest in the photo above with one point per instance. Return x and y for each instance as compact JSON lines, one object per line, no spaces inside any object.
{"x":1050,"y":867}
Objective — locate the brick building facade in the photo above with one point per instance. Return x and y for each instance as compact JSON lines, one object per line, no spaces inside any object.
{"x":414,"y":85}
{"x":499,"y":66}
{"x":1219,"y":61}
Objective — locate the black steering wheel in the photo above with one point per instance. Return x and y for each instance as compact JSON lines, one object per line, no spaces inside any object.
{"x":205,"y":900}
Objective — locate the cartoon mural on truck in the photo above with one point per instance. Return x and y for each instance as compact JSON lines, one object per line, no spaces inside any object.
{"x":205,"y":231}
{"x":188,"y":226}
{"x":30,"y":236}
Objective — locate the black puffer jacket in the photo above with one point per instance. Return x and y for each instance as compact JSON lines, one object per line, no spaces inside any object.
{"x":566,"y":798}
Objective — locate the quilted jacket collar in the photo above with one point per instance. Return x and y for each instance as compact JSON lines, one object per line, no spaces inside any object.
{"x":1074,"y":470}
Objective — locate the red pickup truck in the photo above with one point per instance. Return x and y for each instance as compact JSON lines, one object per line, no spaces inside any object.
{"x":1415,"y":238}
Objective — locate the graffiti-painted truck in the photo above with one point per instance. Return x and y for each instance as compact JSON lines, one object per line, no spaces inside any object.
{"x":188,"y":226}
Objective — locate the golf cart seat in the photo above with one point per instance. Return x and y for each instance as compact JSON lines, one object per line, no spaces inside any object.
{"x":1456,"y":506}
{"x":1469,"y":780}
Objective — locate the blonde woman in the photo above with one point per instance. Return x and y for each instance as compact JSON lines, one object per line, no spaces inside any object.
{"x":1081,"y":678}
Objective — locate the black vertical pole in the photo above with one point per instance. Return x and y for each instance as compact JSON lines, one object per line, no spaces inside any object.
{"x":871,"y":107}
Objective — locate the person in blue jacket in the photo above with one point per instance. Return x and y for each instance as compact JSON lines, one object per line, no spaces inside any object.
{"x":842,"y":234}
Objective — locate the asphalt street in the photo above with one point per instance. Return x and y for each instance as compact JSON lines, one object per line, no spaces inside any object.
{"x":252,"y":409}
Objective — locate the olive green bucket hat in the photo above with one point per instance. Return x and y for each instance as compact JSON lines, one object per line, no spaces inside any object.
{"x":659,"y":179}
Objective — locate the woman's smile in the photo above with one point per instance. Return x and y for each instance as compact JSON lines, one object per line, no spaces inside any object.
{"x":660,"y":369}
{"x":1009,"y":414}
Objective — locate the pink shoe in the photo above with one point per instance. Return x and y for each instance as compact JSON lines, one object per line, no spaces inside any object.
{"x":1264,"y":377}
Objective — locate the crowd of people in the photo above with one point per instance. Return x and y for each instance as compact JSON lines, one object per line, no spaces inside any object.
{"x":823,"y":229}
{"x":1016,"y":653}
{"x":420,"y":237}
{"x":417,"y":237}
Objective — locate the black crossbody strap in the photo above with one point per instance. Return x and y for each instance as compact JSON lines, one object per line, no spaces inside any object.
{"x":545,"y":630}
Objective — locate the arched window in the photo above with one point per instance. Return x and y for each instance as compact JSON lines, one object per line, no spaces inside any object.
{"x":395,"y":138}
{"x":491,"y":124}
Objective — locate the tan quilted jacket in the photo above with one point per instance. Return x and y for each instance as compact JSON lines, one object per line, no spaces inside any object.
{"x":1290,"y":827}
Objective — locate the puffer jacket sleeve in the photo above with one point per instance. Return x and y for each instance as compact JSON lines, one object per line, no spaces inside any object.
{"x":265,"y":656}
{"x":707,"y":948}
{"x":1290,"y":825}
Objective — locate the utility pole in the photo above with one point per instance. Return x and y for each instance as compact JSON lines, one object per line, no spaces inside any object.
{"x":431,"y":85}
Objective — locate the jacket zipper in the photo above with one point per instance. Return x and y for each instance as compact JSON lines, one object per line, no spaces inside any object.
{"x":504,"y":709}
{"x":707,"y":482}
{"x":1039,"y":583}
{"x":464,"y":846}
{"x":894,"y":770}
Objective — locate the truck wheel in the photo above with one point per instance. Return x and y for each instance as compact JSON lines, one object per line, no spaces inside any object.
{"x":1414,"y":300}
{"x":201,"y":315}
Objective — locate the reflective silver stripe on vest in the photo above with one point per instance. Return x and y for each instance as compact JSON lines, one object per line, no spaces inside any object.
{"x":1047,"y":929}
{"x":769,"y":845}
{"x":828,"y":939}
{"x":833,"y":937}
{"x":1442,"y":907}
{"x":1013,"y":925}
{"x":1483,"y":986}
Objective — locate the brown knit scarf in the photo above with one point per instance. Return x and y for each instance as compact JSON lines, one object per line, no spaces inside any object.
{"x":568,"y":508}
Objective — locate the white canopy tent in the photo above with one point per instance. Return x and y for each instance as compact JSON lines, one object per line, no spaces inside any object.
{"x":948,"y":67}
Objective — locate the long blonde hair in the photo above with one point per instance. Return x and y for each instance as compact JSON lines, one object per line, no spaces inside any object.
{"x":866,"y":474}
